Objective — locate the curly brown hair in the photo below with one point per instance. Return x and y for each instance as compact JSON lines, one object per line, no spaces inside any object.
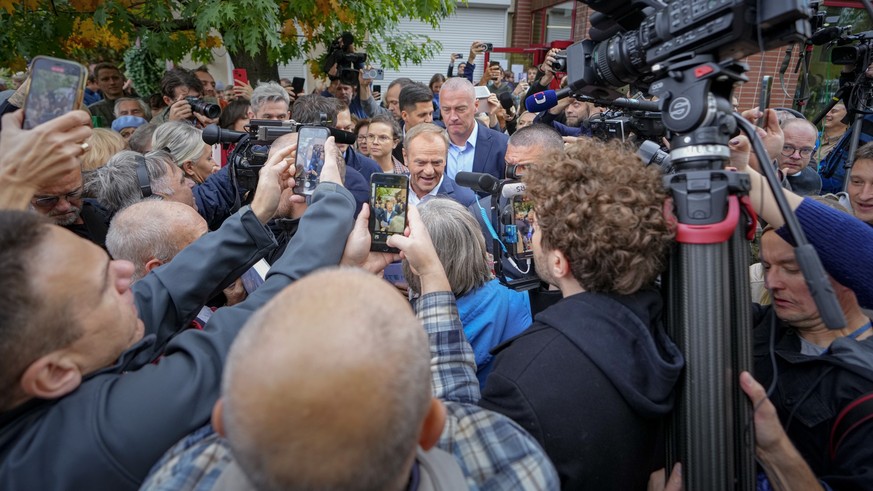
{"x":599,"y":206}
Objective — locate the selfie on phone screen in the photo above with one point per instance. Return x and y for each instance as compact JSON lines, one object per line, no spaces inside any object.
{"x":388,"y":202}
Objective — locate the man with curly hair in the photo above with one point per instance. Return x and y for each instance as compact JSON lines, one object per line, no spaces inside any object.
{"x":592,"y":379}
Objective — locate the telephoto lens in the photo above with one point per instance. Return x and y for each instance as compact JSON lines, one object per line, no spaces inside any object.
{"x":211,"y":111}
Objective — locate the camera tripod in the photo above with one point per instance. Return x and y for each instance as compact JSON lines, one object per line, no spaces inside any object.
{"x":707,"y":285}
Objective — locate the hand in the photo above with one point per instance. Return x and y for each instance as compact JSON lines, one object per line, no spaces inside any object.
{"x":546,"y":66}
{"x":357,"y":252}
{"x":364,"y":82}
{"x":417,"y":248}
{"x":569,"y":140}
{"x":330,"y":172}
{"x":272,"y":179}
{"x":493,"y":104}
{"x":771,"y":135}
{"x":30,"y":159}
{"x":521,"y":88}
{"x":495,"y":72}
{"x":235,"y":293}
{"x":180,"y":111}
{"x":561,"y":105}
{"x":769,"y":433}
{"x":203,"y":120}
{"x":377,"y":96}
{"x":477,"y":48}
{"x":656,"y":480}
{"x":242,"y":89}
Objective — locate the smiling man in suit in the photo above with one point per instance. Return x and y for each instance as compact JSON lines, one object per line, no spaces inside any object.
{"x":473,"y":147}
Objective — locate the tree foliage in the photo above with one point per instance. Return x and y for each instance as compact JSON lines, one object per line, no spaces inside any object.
{"x":271,"y":31}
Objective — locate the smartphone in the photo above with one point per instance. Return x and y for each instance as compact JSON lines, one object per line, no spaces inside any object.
{"x":458,"y":56}
{"x":377,"y":88}
{"x":310,"y":158}
{"x":297,"y":84}
{"x":764,"y":100}
{"x":522,"y":227}
{"x":56,"y":88}
{"x":373,"y":74}
{"x":240,"y":74}
{"x":494,"y":63}
{"x":482,"y":92}
{"x":488,"y":46}
{"x":388,"y":204}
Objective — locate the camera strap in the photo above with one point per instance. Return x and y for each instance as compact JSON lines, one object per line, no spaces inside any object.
{"x":490,"y":227}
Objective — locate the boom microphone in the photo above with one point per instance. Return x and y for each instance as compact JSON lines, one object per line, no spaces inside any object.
{"x":547,"y":99}
{"x":477,"y":181}
{"x":824,"y":36}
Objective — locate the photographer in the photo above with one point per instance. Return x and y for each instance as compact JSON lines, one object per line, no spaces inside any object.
{"x":178,"y":86}
{"x":545,"y":74}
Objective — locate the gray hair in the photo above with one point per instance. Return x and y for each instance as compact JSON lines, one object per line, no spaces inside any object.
{"x":116,"y":184}
{"x":537,"y":135}
{"x":146,"y":110}
{"x":183,"y":141}
{"x":455,"y":84}
{"x":137,"y":239}
{"x":268,"y":92}
{"x":424,"y":128}
{"x":459,"y":243}
{"x":141,"y":139}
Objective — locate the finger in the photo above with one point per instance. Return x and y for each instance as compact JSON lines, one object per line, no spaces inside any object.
{"x":399,"y":242}
{"x":773,"y":122}
{"x":13,"y":119}
{"x":656,"y":480}
{"x":752,"y":388}
{"x":675,"y":482}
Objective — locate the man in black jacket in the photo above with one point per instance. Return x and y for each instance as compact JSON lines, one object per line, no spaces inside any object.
{"x":79,"y":390}
{"x":592,"y":379}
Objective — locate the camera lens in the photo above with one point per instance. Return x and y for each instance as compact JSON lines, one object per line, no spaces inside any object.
{"x":211,"y":111}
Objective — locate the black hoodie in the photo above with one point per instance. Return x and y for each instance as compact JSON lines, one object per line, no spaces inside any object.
{"x":592,"y":380}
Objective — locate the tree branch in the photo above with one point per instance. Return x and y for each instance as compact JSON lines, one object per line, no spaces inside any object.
{"x":174,"y":25}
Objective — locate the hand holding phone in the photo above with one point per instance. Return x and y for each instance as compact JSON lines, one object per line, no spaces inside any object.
{"x":240,"y":76}
{"x":388,"y":206}
{"x":56,"y":88}
{"x":764,"y":100}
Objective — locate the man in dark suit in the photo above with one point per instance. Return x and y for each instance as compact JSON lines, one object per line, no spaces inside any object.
{"x":425,"y":148}
{"x":474,"y":147}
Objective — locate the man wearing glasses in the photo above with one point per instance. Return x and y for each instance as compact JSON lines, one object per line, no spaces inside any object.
{"x":800,"y":137}
{"x":62,"y":202}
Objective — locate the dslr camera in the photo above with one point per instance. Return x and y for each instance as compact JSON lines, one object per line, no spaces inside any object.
{"x":207,"y":109}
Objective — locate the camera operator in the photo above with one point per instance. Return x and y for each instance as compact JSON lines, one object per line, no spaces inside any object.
{"x":832,"y":169}
{"x":575,"y":114}
{"x":178,"y":86}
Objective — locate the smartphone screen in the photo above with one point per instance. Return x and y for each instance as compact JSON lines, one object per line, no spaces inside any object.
{"x":388,"y":202}
{"x":56,"y":88}
{"x":310,"y":157}
{"x":240,"y":74}
{"x":377,"y":88}
{"x":297,"y":84}
{"x":523,"y":226}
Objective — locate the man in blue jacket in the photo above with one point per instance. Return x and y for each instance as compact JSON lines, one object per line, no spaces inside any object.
{"x":473,"y":146}
{"x":80,"y":394}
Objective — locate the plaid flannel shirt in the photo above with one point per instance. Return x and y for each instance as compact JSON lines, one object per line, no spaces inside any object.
{"x":492,"y":450}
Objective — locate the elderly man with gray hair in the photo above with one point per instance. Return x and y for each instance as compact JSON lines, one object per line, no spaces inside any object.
{"x":270,"y":101}
{"x":129,"y":177}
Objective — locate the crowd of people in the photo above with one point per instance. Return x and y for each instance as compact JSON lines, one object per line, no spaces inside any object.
{"x":164,"y":327}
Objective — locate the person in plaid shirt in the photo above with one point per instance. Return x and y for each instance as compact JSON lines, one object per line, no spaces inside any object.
{"x":332,"y":395}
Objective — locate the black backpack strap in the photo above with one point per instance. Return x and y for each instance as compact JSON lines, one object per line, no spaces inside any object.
{"x":852,"y":416}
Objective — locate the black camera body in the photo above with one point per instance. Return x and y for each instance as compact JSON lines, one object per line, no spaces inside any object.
{"x":728,"y":28}
{"x":854,"y":50}
{"x":646,"y":125}
{"x":207,"y":109}
{"x":560,"y":63}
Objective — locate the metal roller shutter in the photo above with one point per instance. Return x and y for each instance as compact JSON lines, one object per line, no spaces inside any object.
{"x":485,"y":20}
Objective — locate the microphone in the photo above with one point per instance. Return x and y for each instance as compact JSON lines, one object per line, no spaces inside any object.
{"x":824,"y":36}
{"x":342,"y":136}
{"x":477,"y":181}
{"x":547,"y":99}
{"x":513,"y":189}
{"x":634,"y":104}
{"x":213,"y":134}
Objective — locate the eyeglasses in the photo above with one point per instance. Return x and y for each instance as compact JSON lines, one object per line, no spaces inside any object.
{"x":51,"y":201}
{"x":362,"y":138}
{"x":788,"y":151}
{"x":379,"y":138}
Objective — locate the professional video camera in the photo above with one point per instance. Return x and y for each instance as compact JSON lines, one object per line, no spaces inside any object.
{"x":348,"y":63}
{"x":252,"y":147}
{"x":509,"y":222}
{"x":642,"y":125}
{"x":731,"y":29}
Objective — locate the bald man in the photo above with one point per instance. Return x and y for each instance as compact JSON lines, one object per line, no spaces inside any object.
{"x":800,"y":138}
{"x":347,"y":396}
